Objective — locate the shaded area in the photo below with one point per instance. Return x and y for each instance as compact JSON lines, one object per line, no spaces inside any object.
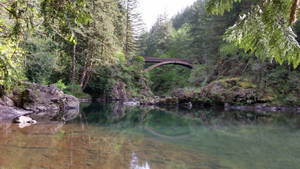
{"x":166,"y":78}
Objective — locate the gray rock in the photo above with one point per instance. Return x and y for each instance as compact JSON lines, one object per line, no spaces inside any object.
{"x":24,"y":119}
{"x":38,"y":100}
{"x":9,"y":113}
{"x":188,"y":105}
{"x":6,"y":101}
{"x":70,"y":102}
{"x":118,"y":92}
{"x":132,"y":103}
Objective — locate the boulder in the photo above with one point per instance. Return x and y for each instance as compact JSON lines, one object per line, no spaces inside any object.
{"x":24,"y":119}
{"x":6,"y":101}
{"x":70,"y":102}
{"x":178,"y":93}
{"x":233,"y":90}
{"x":118,"y":92}
{"x":9,"y":113}
{"x":38,"y":100}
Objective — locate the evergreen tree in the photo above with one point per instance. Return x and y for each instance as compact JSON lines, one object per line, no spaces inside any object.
{"x":134,"y":27}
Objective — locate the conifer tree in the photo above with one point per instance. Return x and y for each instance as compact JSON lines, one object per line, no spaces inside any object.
{"x":134,"y":27}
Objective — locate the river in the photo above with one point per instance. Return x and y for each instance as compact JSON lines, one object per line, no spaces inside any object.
{"x":112,"y":136}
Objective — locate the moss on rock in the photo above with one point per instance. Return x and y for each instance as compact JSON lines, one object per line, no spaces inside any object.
{"x":232,"y":90}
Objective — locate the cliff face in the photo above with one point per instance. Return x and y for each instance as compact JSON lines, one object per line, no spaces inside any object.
{"x":37,"y":100}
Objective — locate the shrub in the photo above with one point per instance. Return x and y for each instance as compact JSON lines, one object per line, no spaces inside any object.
{"x":60,"y":85}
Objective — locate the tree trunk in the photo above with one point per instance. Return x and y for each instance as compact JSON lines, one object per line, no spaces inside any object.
{"x":87,"y":66}
{"x":73,"y":67}
{"x":83,"y":73}
{"x":294,"y":10}
{"x":127,"y":30}
{"x":88,"y":76}
{"x":84,"y":68}
{"x":87,"y":80}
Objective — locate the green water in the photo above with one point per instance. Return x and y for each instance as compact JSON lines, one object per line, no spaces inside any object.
{"x":116,"y":137}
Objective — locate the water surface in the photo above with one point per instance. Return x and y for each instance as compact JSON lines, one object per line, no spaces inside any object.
{"x":112,"y":136}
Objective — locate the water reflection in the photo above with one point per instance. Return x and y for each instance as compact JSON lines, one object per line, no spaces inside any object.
{"x":114,"y":136}
{"x":135,"y":164}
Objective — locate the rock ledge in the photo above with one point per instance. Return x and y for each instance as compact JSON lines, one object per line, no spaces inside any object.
{"x":37,"y":100}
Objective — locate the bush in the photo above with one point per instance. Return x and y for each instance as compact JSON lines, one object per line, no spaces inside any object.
{"x":60,"y":85}
{"x":41,"y":60}
{"x":140,"y":59}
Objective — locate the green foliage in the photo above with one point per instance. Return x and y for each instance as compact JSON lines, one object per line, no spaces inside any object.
{"x":131,"y":75}
{"x":41,"y":60}
{"x":284,"y":85}
{"x":265,"y":30}
{"x":198,"y":76}
{"x":140,"y":59}
{"x":181,"y":18}
{"x":155,"y":43}
{"x":206,"y":32}
{"x":59,"y":84}
{"x":121,"y":57}
{"x":231,"y":51}
{"x":219,"y":7}
{"x":11,"y":67}
{"x":200,"y":36}
{"x":167,"y":78}
{"x":267,"y":41}
{"x":48,"y":30}
{"x":179,"y":43}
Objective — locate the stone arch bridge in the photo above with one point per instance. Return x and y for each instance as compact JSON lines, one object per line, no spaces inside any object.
{"x":164,"y":61}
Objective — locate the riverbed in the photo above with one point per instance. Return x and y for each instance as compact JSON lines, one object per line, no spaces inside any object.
{"x":113,"y":136}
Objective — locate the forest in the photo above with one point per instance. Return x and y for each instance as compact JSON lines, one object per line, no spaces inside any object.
{"x":85,"y":84}
{"x":244,"y":52}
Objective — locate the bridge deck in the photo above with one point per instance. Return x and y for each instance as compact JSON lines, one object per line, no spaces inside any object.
{"x":158,"y":60}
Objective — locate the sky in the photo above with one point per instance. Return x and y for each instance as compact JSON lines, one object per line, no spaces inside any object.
{"x":150,"y":9}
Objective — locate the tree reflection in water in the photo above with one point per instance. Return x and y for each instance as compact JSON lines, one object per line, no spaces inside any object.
{"x":109,"y":137}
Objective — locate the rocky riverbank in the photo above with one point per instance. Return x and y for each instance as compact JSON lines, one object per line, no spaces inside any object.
{"x":38,"y":101}
{"x":233,"y":93}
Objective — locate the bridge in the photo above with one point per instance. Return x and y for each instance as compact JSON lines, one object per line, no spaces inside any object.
{"x":164,"y":61}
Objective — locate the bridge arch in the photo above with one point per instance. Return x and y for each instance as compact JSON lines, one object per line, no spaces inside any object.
{"x":183,"y":63}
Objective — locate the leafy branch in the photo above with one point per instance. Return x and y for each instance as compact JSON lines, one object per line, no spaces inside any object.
{"x":266,"y":30}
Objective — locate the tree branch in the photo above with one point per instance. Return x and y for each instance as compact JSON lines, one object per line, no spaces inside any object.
{"x":10,"y":11}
